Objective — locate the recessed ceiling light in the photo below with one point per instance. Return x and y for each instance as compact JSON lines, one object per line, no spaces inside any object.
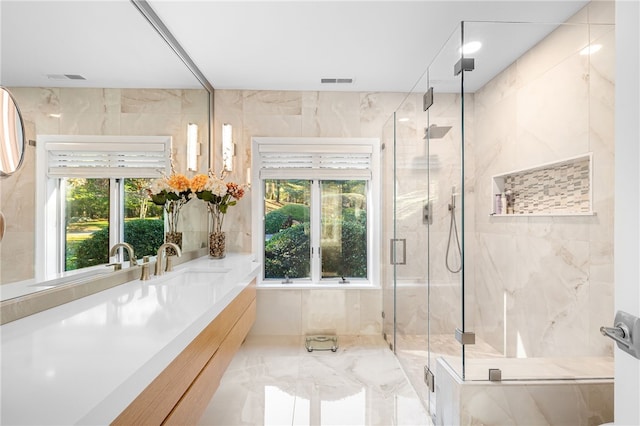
{"x":471,"y":47}
{"x":403,"y":119}
{"x":55,"y":115}
{"x":592,"y":48}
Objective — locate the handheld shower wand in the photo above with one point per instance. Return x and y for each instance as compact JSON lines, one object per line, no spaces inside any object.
{"x":452,"y":205}
{"x":453,"y":234}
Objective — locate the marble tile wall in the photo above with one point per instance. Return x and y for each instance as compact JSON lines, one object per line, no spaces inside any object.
{"x":543,"y":286}
{"x":305,"y":114}
{"x":96,"y":112}
{"x":296,"y":312}
{"x":17,"y":203}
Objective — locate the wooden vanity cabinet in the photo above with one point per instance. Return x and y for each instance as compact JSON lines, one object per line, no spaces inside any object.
{"x":181,"y":393}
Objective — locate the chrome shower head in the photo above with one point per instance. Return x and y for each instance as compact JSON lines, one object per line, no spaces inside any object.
{"x":436,"y":132}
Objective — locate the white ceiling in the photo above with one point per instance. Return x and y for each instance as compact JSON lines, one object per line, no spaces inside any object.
{"x":265,"y":45}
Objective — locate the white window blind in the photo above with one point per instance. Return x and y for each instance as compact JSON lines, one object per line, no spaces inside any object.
{"x":107,"y":156}
{"x":316,"y":162}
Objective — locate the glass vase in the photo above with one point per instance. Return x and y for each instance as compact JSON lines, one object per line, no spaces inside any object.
{"x":217,"y":245}
{"x":173,"y":237}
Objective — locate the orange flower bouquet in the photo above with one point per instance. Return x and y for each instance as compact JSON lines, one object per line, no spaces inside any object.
{"x":172,"y":193}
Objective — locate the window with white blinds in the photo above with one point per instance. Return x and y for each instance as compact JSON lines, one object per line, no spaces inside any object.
{"x":106,"y":156}
{"x":326,"y":161}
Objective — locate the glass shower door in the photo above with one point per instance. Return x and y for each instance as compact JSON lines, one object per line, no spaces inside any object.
{"x":409,"y":241}
{"x":423,"y":210}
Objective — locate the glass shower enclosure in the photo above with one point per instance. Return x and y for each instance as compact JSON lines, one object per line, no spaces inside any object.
{"x":498,"y":211}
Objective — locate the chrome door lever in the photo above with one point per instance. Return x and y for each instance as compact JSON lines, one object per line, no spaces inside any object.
{"x":626,"y":333}
{"x":619,"y":333}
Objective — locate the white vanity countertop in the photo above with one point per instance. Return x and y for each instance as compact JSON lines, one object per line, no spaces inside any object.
{"x":84,"y":362}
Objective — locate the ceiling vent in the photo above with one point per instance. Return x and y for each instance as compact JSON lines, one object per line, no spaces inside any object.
{"x":336,"y":80}
{"x":65,"y":77}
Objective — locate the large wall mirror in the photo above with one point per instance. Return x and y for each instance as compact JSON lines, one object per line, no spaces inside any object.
{"x":91,"y":68}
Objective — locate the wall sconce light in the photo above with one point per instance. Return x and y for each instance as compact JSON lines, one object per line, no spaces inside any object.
{"x":228,"y":147}
{"x":193,"y":147}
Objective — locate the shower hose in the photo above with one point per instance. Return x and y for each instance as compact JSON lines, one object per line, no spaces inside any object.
{"x":453,"y":234}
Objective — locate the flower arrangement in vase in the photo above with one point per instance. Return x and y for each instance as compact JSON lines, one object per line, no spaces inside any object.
{"x":172,"y":193}
{"x":219,"y":196}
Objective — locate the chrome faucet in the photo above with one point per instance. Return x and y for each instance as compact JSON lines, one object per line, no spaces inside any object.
{"x":132,"y":257}
{"x":144,"y":275}
{"x":160,"y":255}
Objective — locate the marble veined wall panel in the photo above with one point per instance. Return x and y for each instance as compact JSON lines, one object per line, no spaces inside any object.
{"x":542,"y":285}
{"x":17,"y":203}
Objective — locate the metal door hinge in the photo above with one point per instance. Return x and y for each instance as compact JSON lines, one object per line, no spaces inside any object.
{"x":429,"y":379}
{"x":427,"y":99}
{"x":495,"y":375}
{"x":464,"y":64}
{"x":465,"y":338}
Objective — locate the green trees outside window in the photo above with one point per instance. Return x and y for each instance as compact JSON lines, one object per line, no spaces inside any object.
{"x":344,"y":229}
{"x":287,"y":246}
{"x":340,"y":216}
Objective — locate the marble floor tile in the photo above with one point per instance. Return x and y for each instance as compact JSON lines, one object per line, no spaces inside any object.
{"x":273,"y":380}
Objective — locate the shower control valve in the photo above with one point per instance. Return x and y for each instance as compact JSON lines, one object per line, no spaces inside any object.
{"x":428,"y":214}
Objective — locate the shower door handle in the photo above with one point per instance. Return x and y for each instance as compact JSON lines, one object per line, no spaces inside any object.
{"x":393,"y":251}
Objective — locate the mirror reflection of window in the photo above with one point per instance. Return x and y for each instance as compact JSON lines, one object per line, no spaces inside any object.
{"x":86,"y":222}
{"x":88,"y":210}
{"x":143,"y":220}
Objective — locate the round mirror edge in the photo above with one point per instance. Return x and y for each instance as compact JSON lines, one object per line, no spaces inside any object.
{"x":3,"y":173}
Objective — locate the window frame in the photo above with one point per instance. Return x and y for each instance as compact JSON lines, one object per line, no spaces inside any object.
{"x":308,"y":145}
{"x":50,"y":194}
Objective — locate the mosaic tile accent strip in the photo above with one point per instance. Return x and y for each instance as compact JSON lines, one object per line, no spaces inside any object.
{"x":562,"y":188}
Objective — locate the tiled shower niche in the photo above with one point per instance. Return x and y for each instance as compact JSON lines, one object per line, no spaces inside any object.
{"x":552,"y":189}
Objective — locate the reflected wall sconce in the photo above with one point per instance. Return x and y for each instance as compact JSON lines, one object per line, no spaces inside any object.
{"x":228,"y":147}
{"x":592,"y":48}
{"x":193,"y":147}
